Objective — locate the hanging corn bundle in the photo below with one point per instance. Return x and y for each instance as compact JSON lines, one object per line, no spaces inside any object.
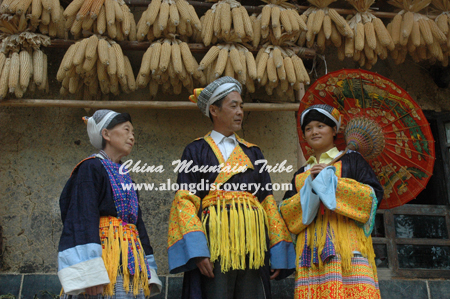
{"x":103,"y":17}
{"x":169,"y":63}
{"x":415,"y":33}
{"x":324,"y":25}
{"x":93,"y":66}
{"x":233,"y":60}
{"x":45,"y":15}
{"x":23,"y":66}
{"x":277,"y":18}
{"x":167,"y":17}
{"x":370,"y":39}
{"x":228,"y":21}
{"x":197,"y":35}
{"x":443,"y":21}
{"x":280,"y":69}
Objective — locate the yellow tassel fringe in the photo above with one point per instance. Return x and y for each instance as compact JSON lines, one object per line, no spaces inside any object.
{"x":115,"y":240}
{"x":237,"y":227}
{"x":345,"y":235}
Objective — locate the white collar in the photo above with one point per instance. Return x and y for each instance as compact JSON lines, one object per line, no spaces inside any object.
{"x":218,"y":137}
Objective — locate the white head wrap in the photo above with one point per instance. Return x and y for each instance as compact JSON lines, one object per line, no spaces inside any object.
{"x":95,"y":124}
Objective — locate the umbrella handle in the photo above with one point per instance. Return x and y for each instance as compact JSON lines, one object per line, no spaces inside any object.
{"x":338,"y":157}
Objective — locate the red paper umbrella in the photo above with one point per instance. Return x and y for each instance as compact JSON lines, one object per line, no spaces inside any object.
{"x":383,"y":123}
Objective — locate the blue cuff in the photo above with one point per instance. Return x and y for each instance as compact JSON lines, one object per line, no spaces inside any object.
{"x":282,"y":256}
{"x":324,"y":185}
{"x":78,"y":254}
{"x":151,"y":262}
{"x":181,"y":254}
{"x":310,"y":202}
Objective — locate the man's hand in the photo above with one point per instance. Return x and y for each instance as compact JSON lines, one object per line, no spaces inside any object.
{"x":316,"y":169}
{"x":95,"y":290}
{"x":205,"y":266}
{"x":274,"y":273}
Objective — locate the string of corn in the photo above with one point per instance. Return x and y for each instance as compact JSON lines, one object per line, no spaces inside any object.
{"x":167,"y":66}
{"x":371,"y":40}
{"x":416,"y":34}
{"x":103,"y":17}
{"x":228,"y":21}
{"x":230,"y":59}
{"x":167,"y":17}
{"x":280,"y":69}
{"x":35,"y":14}
{"x":23,"y":66}
{"x":94,"y":66}
{"x":277,"y":19}
{"x":324,"y":26}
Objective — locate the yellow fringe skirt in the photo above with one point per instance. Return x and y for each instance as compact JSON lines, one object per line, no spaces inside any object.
{"x":116,"y":239}
{"x":236,"y":223}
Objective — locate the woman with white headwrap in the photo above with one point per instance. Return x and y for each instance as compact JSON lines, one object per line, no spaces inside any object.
{"x":332,"y":209}
{"x":104,"y":250}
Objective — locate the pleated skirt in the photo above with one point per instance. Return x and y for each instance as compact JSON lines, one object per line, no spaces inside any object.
{"x":331,"y":281}
{"x":119,"y":293}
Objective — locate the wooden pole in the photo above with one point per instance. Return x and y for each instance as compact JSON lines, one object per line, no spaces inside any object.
{"x":138,"y":104}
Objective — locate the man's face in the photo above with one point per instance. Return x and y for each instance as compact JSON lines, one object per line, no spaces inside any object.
{"x":228,"y":119}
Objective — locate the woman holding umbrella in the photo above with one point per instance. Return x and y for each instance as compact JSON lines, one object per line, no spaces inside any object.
{"x":104,"y":250}
{"x":332,"y":209}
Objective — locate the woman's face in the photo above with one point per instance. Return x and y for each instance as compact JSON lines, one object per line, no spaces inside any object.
{"x":319,"y":135}
{"x":121,"y":138}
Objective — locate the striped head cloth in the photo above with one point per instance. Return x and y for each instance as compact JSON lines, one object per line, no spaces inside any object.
{"x":327,"y":110}
{"x":216,"y":90}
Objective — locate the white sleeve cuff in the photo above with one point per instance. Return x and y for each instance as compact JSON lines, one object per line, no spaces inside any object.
{"x":76,"y":278}
{"x":154,"y":283}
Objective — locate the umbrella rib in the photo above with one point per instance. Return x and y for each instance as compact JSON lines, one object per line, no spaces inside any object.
{"x":402,"y":116}
{"x":414,"y":151}
{"x":399,"y":179}
{"x":318,"y":98}
{"x":389,"y":181}
{"x":422,"y":141}
{"x":420,"y":183}
{"x":407,"y":128}
{"x":418,"y":166}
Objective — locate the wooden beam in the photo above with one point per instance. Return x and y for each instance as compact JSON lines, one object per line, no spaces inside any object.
{"x":138,"y":104}
{"x":195,"y":47}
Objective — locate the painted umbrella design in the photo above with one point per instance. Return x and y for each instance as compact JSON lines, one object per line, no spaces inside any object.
{"x":384,"y":124}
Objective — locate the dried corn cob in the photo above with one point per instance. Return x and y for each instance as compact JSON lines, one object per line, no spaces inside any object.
{"x":227,"y":21}
{"x":169,"y":62}
{"x":167,"y":17}
{"x":323,"y":24}
{"x":278,"y":20}
{"x":280,"y":70}
{"x":112,"y":17}
{"x":20,"y":54}
{"x":370,"y":36}
{"x":418,"y":35}
{"x":96,"y":65}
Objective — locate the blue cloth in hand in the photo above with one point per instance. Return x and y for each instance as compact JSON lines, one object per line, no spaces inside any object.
{"x":310,"y":202}
{"x":324,"y":185}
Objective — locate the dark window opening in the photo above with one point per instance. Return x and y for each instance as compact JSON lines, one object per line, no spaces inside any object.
{"x":435,"y":192}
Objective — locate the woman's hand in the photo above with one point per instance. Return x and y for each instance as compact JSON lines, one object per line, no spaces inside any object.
{"x":316,"y":169}
{"x":95,"y":290}
{"x":274,"y":273}
{"x":205,"y":266}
